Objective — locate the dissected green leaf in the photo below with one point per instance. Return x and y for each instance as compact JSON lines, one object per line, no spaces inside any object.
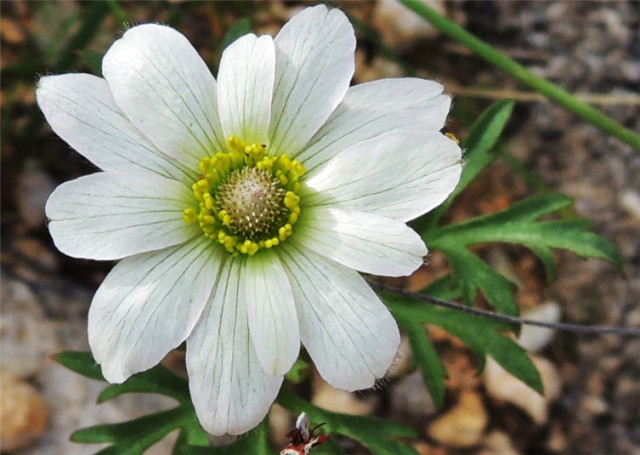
{"x":135,"y":436}
{"x":482,"y":335}
{"x":517,"y":224}
{"x":378,"y":435}
{"x":156,"y":380}
{"x":483,"y":136}
{"x":81,"y":363}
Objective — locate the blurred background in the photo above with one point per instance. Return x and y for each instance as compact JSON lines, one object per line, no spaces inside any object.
{"x":590,"y":48}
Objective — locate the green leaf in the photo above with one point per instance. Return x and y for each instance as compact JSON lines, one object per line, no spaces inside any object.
{"x":471,"y":274}
{"x":156,"y":380}
{"x":240,"y":28}
{"x":81,"y":363}
{"x":378,"y":435}
{"x":518,"y":225}
{"x":133,"y":437}
{"x":483,"y":136}
{"x":482,"y":335}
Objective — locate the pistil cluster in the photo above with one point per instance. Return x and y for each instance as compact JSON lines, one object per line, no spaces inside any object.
{"x":247,"y":200}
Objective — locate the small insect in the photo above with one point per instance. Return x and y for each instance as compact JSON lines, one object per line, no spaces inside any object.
{"x":301,"y":440}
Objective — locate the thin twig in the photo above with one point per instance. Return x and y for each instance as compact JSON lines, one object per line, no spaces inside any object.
{"x":620,"y":331}
{"x":603,"y":99}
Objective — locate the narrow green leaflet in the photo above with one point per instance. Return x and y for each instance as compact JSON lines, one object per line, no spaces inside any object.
{"x":482,"y":138}
{"x":483,"y":336}
{"x":518,"y":225}
{"x":136,"y":436}
{"x":378,"y":435}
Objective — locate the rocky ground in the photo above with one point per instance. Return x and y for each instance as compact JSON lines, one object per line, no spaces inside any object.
{"x":592,"y":405}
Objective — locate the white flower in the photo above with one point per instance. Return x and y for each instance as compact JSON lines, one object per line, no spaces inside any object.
{"x":193,"y":168}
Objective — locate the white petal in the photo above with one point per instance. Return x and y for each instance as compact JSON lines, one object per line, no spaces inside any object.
{"x":400,"y":175}
{"x":362,"y":241}
{"x":149,"y":304}
{"x":160,"y":82}
{"x":374,"y":108}
{"x":229,"y":389}
{"x":245,"y":88}
{"x":347,"y":330}
{"x":112,"y":215}
{"x":82,"y":111}
{"x":314,"y":65}
{"x":272,"y":314}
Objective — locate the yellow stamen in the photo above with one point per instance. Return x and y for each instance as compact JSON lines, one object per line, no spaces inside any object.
{"x":211,"y":189}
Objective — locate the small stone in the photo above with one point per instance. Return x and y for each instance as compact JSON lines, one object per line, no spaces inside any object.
{"x":498,"y":443}
{"x":33,"y":190}
{"x":425,"y":449}
{"x":557,"y":441}
{"x":281,"y":421}
{"x":336,"y":400}
{"x":23,"y":413}
{"x":630,"y":200}
{"x":501,"y":385}
{"x":402,"y":362}
{"x":463,"y":425}
{"x":28,"y":338}
{"x":593,"y":405}
{"x":400,"y":26}
{"x":11,"y":31}
{"x":533,"y":338}
{"x":410,"y":397}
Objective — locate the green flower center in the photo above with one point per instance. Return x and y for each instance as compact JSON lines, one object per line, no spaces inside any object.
{"x":247,"y":200}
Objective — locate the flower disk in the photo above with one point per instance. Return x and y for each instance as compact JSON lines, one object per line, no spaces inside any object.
{"x":247,"y":201}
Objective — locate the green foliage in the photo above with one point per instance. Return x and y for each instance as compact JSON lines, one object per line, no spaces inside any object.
{"x":378,"y":435}
{"x":518,"y":225}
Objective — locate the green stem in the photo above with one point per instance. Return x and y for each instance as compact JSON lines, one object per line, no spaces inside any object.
{"x":549,"y":89}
